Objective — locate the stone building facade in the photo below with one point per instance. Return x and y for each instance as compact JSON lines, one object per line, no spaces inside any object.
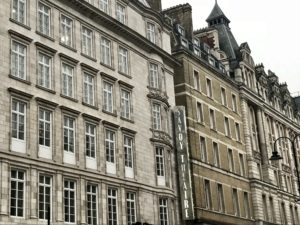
{"x":234,"y":106}
{"x":86,"y":93}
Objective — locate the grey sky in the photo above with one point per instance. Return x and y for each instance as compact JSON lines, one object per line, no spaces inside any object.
{"x":271,"y":28}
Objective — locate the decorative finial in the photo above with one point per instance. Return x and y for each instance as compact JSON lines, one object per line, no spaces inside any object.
{"x":216,"y":1}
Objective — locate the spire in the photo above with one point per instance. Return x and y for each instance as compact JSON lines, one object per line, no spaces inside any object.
{"x":217,"y":16}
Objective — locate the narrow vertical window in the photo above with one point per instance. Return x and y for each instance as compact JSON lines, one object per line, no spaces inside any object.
{"x":209,"y":88}
{"x":123,"y":60}
{"x":212,"y":119}
{"x":236,"y":206}
{"x":120,"y":13}
{"x":216,"y":154}
{"x":234,"y":103}
{"x":18,"y":60}
{"x":44,"y":70}
{"x":90,"y":140}
{"x":103,"y":4}
{"x":110,"y":147}
{"x":44,"y":19}
{"x":87,"y":41}
{"x":128,"y":145}
{"x":44,"y":128}
{"x":151,"y":32}
{"x":125,"y":104}
{"x":163,"y":211}
{"x":108,"y":97}
{"x":69,"y":134}
{"x":66,"y":31}
{"x":283,"y":213}
{"x":105,"y":48}
{"x":196,"y":81}
{"x":19,"y":10}
{"x":237,"y":132}
{"x":265,"y":207}
{"x":18,"y":113}
{"x":67,"y":79}
{"x":17,"y":192}
{"x":69,"y":201}
{"x":45,"y":196}
{"x":221,"y":202}
{"x":297,"y":215}
{"x":207,"y":193}
{"x":230,"y":160}
{"x":160,"y":165}
{"x":272,"y":209}
{"x":89,"y":96}
{"x":112,"y":206}
{"x":242,"y":165}
{"x":91,"y":200}
{"x":199,"y":112}
{"x":131,"y":208}
{"x":153,"y":76}
{"x":156,"y":113}
{"x":223,"y":97}
{"x":203,"y":149}
{"x":227,"y":127}
{"x":246,"y":205}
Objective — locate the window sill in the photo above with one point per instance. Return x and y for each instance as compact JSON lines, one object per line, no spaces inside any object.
{"x":20,"y":79}
{"x":214,"y":129}
{"x":125,"y":74}
{"x":91,"y":106}
{"x":201,"y":123}
{"x":70,"y":98}
{"x":128,"y":120}
{"x":107,"y":66}
{"x":229,"y":137}
{"x":45,"y":89}
{"x":68,"y":47}
{"x":89,"y":57}
{"x":45,"y":36}
{"x":20,"y":24}
{"x":110,"y":113}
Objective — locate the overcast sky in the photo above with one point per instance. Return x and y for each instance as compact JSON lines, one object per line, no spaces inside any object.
{"x":271,"y":28}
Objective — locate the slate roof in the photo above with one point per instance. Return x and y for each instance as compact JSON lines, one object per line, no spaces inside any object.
{"x":216,"y":13}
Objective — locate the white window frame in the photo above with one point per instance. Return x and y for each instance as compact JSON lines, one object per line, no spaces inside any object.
{"x":131,"y":207}
{"x":227,"y":127}
{"x":242,"y":164}
{"x":45,"y":186}
{"x":216,"y":154}
{"x":157,"y":119}
{"x":203,"y":149}
{"x":69,"y":190}
{"x":89,"y":88}
{"x":223,"y":96}
{"x":90,"y":145}
{"x":212,"y":119}
{"x":108,"y":98}
{"x":66,"y":32}
{"x":112,"y":203}
{"x":44,"y":19}
{"x":18,"y":144}
{"x":92,"y":200}
{"x":45,"y":150}
{"x":120,"y":13}
{"x":154,"y":76}
{"x":18,"y":180}
{"x":200,"y":116}
{"x":128,"y":155}
{"x":110,"y":149}
{"x":68,"y":80}
{"x":16,"y":11}
{"x":44,"y":70}
{"x":160,"y":165}
{"x":163,"y":211}
{"x":87,"y":41}
{"x":103,"y":5}
{"x":231,"y":160}
{"x":123,"y":60}
{"x":151,"y":32}
{"x":125,"y":104}
{"x":237,"y":132}
{"x":18,"y":60}
{"x":105,"y":50}
{"x":69,"y":127}
{"x":209,"y":90}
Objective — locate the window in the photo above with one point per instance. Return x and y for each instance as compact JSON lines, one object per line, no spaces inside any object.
{"x":227,"y":127}
{"x":234,"y":103}
{"x":87,"y":41}
{"x":297,"y":215}
{"x":131,"y":208}
{"x":212,"y":119}
{"x":110,"y":146}
{"x":200,"y":113}
{"x":151,"y":32}
{"x":247,"y":205}
{"x":17,"y":192}
{"x":91,"y":200}
{"x":69,"y":201}
{"x":19,"y":11}
{"x":105,"y":56}
{"x":125,"y":104}
{"x":237,"y":132}
{"x":44,"y":19}
{"x":44,"y":127}
{"x":209,"y":88}
{"x":18,"y":112}
{"x":242,"y":165}
{"x":67,"y":76}
{"x":45,"y":196}
{"x":123,"y":60}
{"x":223,"y":96}
{"x":44,"y":70}
{"x":208,"y":203}
{"x":108,"y":97}
{"x":89,"y":96}
{"x":66,"y":31}
{"x":103,"y":5}
{"x":221,"y":202}
{"x":69,"y":134}
{"x":292,"y":215}
{"x":156,"y":113}
{"x":90,"y":140}
{"x":163,"y":211}
{"x":196,"y":81}
{"x":18,"y":60}
{"x":283,"y":214}
{"x":203,"y":149}
{"x":216,"y":154}
{"x":160,"y":165}
{"x":272,"y":216}
{"x":153,"y":76}
{"x":128,"y":145}
{"x":265,"y":208}
{"x":236,"y":202}
{"x":230,"y":160}
{"x":112,"y":206}
{"x":120,"y":13}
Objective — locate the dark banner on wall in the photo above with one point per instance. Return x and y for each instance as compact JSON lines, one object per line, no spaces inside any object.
{"x":183,"y":163}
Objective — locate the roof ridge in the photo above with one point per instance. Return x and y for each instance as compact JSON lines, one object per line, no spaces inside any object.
{"x":176,"y":6}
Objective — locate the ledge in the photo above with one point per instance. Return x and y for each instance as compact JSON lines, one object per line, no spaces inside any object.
{"x":20,"y":24}
{"x":19,"y":35}
{"x":19,"y":79}
{"x":73,"y":111}
{"x":46,"y":102}
{"x":19,"y":92}
{"x":110,"y":113}
{"x":124,"y":129}
{"x":70,"y":98}
{"x":110,"y":124}
{"x":68,"y":58}
{"x":125,"y":74}
{"x":45,"y":36}
{"x":89,"y":68}
{"x":108,"y":76}
{"x":45,"y":89}
{"x":68,"y":47}
{"x":89,"y":57}
{"x":107,"y":66}
{"x":125,"y":119}
{"x":125,"y":84}
{"x":91,"y":106}
{"x":45,"y":47}
{"x":88,"y":116}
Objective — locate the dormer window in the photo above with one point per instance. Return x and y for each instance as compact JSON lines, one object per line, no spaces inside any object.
{"x":212,"y":61}
{"x":184,"y":43}
{"x":196,"y":42}
{"x":197,"y":51}
{"x":206,"y":48}
{"x":180,"y":30}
